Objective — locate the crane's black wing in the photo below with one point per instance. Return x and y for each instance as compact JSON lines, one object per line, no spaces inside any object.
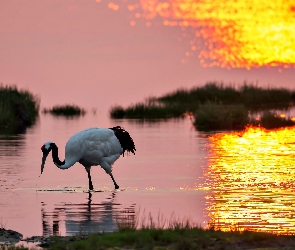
{"x":125,"y":139}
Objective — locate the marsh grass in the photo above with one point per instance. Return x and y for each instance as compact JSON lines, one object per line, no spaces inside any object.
{"x":215,"y":106}
{"x":179,"y":235}
{"x":212,"y":116}
{"x":248,"y":94}
{"x":18,"y":108}
{"x":65,"y":110}
{"x":147,"y":111}
{"x":173,"y":234}
{"x":181,"y":101}
{"x":271,"y":120}
{"x":142,"y":220}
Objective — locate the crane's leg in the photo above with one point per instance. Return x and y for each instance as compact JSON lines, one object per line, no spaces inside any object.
{"x":89,"y":178}
{"x":115,"y":183}
{"x":108,"y":168}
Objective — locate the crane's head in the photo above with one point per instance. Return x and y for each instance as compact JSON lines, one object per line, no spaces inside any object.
{"x":46,"y":148}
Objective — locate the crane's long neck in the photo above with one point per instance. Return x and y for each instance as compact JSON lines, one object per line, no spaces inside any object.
{"x":60,"y":164}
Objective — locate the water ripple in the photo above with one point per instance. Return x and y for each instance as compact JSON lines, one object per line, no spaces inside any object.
{"x":251,"y":177}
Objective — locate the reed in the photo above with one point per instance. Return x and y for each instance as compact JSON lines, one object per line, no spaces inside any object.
{"x":249,"y":95}
{"x":210,"y":92}
{"x":178,"y":236}
{"x":65,"y":110}
{"x":256,"y":97}
{"x":147,"y":111}
{"x":212,"y":116}
{"x":179,"y":102}
{"x":18,"y":108}
{"x":272,"y":120}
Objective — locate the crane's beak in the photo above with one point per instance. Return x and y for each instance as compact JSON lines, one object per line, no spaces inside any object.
{"x":45,"y":154}
{"x":43,"y":162}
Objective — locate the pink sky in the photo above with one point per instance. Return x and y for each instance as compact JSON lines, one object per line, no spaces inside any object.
{"x":82,"y":52}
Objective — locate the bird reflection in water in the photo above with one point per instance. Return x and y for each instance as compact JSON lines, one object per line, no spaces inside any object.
{"x":86,"y":217}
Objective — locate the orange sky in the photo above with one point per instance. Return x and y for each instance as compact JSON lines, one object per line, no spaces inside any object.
{"x":236,"y":33}
{"x":101,"y":53}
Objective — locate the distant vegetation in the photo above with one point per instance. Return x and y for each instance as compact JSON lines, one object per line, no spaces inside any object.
{"x":215,"y":106}
{"x":270,"y":119}
{"x":18,"y":108}
{"x":212,"y":116}
{"x":148,"y":110}
{"x":65,"y":110}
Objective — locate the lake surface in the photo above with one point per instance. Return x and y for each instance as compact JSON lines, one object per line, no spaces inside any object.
{"x":228,"y":180}
{"x":161,"y":179}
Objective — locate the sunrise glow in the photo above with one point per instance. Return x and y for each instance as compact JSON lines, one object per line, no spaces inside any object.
{"x":236,"y":33}
{"x":251,"y":178}
{"x":229,"y":34}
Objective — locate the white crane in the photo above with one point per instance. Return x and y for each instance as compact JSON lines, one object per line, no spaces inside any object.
{"x":92,"y":147}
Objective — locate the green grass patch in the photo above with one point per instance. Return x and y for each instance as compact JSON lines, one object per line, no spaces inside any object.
{"x":18,"y":108}
{"x":65,"y":110}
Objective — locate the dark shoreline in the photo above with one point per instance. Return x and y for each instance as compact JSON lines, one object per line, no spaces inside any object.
{"x":182,"y":238}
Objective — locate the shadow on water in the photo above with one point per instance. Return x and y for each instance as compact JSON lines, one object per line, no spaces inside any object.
{"x":88,"y":217}
{"x":11,"y":148}
{"x":12,"y":131}
{"x":64,"y":117}
{"x":9,"y":144}
{"x":14,"y":139}
{"x":149,"y":121}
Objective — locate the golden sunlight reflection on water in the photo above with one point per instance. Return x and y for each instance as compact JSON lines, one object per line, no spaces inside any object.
{"x":235,"y":33}
{"x":251,"y":178}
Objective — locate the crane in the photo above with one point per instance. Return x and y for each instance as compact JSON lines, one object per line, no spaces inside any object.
{"x":92,"y":147}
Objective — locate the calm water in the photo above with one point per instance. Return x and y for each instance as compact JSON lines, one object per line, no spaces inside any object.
{"x":229,"y":179}
{"x":161,"y":179}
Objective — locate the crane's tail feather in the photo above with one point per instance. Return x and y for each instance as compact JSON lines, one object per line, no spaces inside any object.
{"x":125,"y":139}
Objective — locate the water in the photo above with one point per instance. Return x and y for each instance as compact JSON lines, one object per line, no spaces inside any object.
{"x":228,"y":180}
{"x":251,"y":177}
{"x":160,"y":180}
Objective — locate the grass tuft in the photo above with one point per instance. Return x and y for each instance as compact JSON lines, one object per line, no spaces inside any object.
{"x":18,"y":108}
{"x":212,"y":116}
{"x":271,"y":120}
{"x":147,"y":111}
{"x":65,"y":110}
